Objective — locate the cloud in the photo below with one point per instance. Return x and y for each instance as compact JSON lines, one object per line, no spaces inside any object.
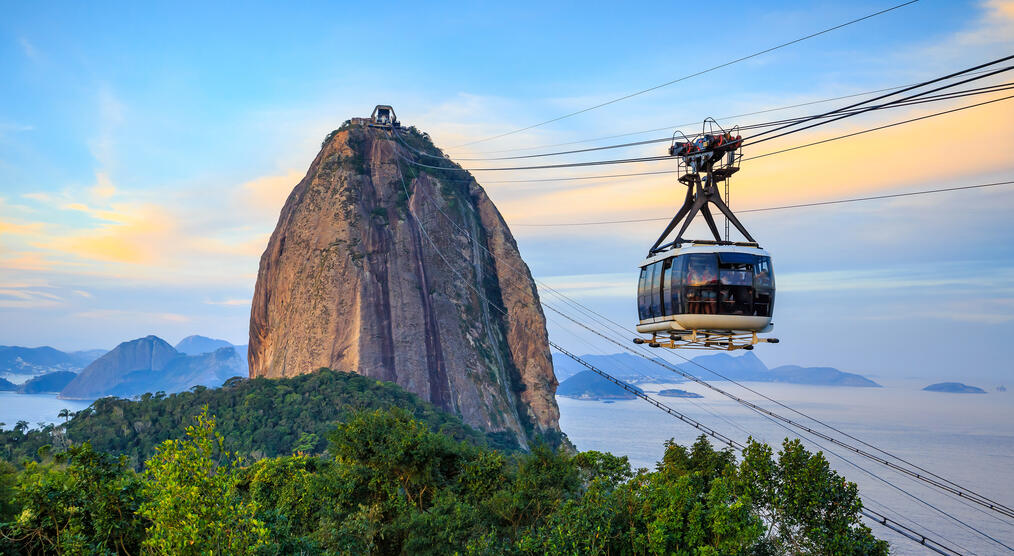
{"x":925,"y":279}
{"x":111,"y":116}
{"x":29,"y":49}
{"x":992,"y":311}
{"x":995,"y":25}
{"x":266,"y":195}
{"x":39,"y":197}
{"x":14,"y":228}
{"x":104,"y":187}
{"x":27,"y":297}
{"x":105,"y":314}
{"x":26,"y":261}
{"x":136,"y":234}
{"x":9,"y":128}
{"x":584,"y":286}
{"x":230,"y":302}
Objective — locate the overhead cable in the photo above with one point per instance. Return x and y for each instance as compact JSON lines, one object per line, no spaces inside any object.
{"x":782,"y":207}
{"x":802,"y":119}
{"x":677,"y":126}
{"x":745,"y":142}
{"x":689,"y":76}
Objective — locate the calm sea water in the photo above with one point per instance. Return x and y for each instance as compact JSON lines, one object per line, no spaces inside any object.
{"x":966,"y":438}
{"x":34,"y":408}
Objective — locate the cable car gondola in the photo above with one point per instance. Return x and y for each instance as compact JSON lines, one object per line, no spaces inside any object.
{"x":705,"y":294}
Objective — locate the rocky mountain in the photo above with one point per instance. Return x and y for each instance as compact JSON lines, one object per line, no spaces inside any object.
{"x":150,"y":364}
{"x":374,"y":267}
{"x":49,"y":382}
{"x":626,"y":366}
{"x":18,"y":360}
{"x":196,"y":345}
{"x":182,"y":373}
{"x":954,"y":388}
{"x":746,"y":367}
{"x":7,"y":386}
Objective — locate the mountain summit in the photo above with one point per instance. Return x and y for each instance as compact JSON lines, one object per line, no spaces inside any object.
{"x":150,"y":364}
{"x":374,"y":267}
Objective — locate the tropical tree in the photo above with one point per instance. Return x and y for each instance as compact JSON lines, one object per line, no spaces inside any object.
{"x":190,"y":499}
{"x":77,"y":502}
{"x":807,"y":506}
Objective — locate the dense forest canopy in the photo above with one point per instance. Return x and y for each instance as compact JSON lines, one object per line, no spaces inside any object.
{"x":258,"y":418}
{"x":336,"y":463}
{"x":391,"y":485}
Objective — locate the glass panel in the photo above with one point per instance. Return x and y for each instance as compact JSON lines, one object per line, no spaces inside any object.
{"x":702,"y":270}
{"x":676,"y":294}
{"x":731,"y":257}
{"x":667,"y":287}
{"x":656,"y":289}
{"x":762,"y":304}
{"x":701,"y":276}
{"x":642,"y":310}
{"x":762,"y":275}
{"x":764,"y":282}
{"x":741,"y":275}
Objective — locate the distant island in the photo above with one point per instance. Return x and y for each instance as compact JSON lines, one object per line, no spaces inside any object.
{"x":677,"y":393}
{"x":747,"y":367}
{"x":588,"y":385}
{"x":954,"y":388}
{"x":48,"y":383}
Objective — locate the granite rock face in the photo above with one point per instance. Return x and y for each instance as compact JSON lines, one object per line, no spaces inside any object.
{"x":406,"y":274}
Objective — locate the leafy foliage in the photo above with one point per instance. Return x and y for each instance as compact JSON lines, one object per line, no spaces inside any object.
{"x":79,"y":502}
{"x":258,"y":418}
{"x":190,"y":502}
{"x":404,"y":480}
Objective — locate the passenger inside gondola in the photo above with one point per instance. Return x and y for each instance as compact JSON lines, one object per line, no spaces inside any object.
{"x":702,"y":273}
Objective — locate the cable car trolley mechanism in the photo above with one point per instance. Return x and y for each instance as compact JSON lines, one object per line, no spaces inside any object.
{"x":705,"y":294}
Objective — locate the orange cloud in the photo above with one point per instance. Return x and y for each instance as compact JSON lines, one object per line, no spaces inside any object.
{"x":1001,"y":9}
{"x":26,"y":261}
{"x":119,"y":213}
{"x":267,"y":194}
{"x":134,"y":234}
{"x":951,"y":147}
{"x":968,"y":143}
{"x":13,"y":228}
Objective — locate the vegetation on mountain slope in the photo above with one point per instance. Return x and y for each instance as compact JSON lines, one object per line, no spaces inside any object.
{"x":389,"y":484}
{"x":257,"y":417}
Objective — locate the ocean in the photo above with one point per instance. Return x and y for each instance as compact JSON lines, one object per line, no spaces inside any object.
{"x":966,"y":438}
{"x":34,"y":408}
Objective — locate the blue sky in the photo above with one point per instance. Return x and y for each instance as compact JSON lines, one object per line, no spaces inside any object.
{"x":145,"y":152}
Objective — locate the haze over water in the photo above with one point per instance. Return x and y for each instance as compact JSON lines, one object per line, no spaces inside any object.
{"x":966,"y":438}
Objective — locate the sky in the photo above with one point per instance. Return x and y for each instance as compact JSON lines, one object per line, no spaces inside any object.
{"x":145,"y":152}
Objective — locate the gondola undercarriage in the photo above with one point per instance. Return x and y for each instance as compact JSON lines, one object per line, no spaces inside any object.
{"x":705,"y":339}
